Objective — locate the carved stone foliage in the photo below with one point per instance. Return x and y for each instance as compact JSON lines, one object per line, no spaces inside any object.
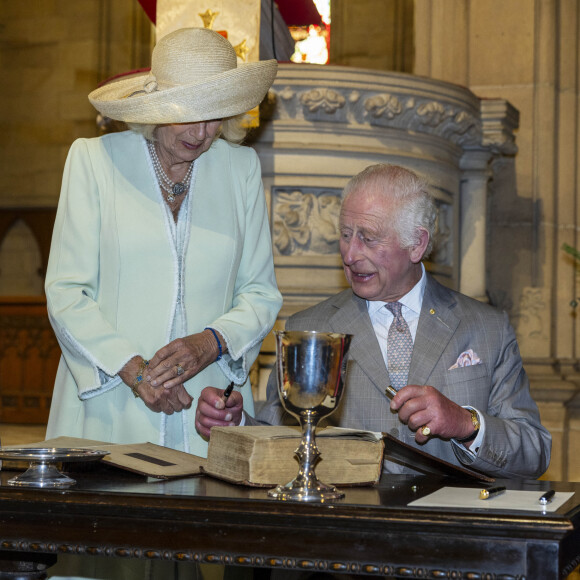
{"x":305,"y":220}
{"x":415,"y":105}
{"x":443,"y":246}
{"x":323,"y":98}
{"x":445,"y":119}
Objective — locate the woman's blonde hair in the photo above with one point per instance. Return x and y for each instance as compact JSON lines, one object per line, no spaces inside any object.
{"x":232,"y":130}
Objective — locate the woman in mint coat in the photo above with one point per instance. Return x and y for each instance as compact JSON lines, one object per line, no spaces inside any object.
{"x":161,"y":278}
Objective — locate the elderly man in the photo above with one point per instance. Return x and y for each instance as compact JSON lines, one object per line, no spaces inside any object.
{"x":461,"y":391}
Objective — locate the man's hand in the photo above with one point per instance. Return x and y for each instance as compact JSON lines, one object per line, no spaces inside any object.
{"x":212,"y":411}
{"x":424,"y":406}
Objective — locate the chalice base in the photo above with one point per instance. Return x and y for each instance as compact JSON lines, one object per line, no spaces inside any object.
{"x":310,"y":491}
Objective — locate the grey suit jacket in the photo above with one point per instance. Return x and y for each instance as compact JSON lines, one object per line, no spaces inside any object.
{"x":515,"y":444}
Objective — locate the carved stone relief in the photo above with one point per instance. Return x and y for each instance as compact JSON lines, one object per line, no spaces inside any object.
{"x":305,"y":220}
{"x":531,"y":319}
{"x":442,"y":253}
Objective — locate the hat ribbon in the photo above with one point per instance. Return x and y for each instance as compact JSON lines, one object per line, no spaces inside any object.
{"x":149,"y":86}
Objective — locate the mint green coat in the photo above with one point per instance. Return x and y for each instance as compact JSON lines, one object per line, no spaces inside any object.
{"x":113,"y":278}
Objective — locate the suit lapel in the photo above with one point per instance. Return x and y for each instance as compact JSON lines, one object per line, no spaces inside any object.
{"x":352,"y":318}
{"x":437,"y":325}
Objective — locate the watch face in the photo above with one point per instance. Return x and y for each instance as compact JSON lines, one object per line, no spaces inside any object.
{"x":475,"y":420}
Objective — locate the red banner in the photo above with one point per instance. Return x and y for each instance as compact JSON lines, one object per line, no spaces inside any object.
{"x":150,"y":7}
{"x":299,"y":12}
{"x":294,"y":12}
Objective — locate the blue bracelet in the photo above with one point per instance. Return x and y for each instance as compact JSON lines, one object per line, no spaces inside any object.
{"x":217,"y":340}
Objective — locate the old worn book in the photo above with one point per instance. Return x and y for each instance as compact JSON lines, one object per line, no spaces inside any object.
{"x":264,"y":456}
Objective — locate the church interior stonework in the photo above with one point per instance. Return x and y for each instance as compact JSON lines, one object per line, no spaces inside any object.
{"x":481,"y":98}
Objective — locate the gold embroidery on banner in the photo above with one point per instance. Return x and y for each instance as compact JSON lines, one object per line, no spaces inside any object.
{"x":208,"y":18}
{"x":242,"y":49}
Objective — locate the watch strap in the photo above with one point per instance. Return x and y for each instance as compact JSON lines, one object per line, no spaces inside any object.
{"x":475,"y":423}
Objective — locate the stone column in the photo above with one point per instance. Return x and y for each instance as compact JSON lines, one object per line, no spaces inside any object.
{"x":499,"y":120}
{"x":476,"y":173}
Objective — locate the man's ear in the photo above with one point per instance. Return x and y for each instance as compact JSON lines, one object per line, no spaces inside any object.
{"x":418,"y":251}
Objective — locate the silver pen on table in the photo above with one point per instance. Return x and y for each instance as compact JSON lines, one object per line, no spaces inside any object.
{"x":547,"y":497}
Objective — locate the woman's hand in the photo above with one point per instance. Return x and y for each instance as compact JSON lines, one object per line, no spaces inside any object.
{"x":129,"y":372}
{"x":158,"y":400}
{"x":182,"y":359}
{"x":166,"y":401}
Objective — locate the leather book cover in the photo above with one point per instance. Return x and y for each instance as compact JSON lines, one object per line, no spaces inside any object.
{"x":424,"y":462}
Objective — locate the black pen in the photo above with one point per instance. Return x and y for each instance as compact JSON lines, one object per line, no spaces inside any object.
{"x":491,"y":492}
{"x":228,"y":392}
{"x":547,"y":497}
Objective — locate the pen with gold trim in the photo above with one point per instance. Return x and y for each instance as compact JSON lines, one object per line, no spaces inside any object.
{"x":491,"y":492}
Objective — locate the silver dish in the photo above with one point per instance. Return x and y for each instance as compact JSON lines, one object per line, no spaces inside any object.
{"x":42,"y":471}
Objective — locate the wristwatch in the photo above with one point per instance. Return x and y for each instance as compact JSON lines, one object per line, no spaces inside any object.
{"x":475,"y":423}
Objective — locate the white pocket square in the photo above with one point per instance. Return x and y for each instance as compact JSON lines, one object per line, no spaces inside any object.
{"x":466,"y":359}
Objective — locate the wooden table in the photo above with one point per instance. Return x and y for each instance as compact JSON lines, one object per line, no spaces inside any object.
{"x":372,"y":531}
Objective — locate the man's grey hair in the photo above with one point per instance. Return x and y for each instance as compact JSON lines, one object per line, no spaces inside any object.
{"x":415,"y":205}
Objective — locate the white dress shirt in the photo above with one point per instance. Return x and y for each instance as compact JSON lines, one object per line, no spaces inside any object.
{"x":382,"y":318}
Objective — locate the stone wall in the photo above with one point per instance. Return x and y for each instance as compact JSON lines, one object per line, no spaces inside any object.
{"x":373,"y":34}
{"x":526,"y":52}
{"x":53,"y":53}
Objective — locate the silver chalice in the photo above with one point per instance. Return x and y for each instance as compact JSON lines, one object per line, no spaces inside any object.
{"x":310,"y":367}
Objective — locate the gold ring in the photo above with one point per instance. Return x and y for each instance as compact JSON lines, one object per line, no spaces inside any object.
{"x":425,"y":431}
{"x":179,"y":370}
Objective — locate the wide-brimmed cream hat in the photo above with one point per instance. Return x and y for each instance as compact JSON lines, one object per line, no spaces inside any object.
{"x":194,"y":77}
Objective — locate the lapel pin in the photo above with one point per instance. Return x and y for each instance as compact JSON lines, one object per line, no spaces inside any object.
{"x":432,"y":311}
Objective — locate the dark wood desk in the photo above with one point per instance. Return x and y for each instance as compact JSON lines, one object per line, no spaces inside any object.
{"x":372,"y":531}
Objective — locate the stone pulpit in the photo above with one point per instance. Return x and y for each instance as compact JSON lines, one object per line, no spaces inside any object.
{"x":323,"y":124}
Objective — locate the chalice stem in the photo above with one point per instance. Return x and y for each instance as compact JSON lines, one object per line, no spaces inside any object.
{"x":308,"y":453}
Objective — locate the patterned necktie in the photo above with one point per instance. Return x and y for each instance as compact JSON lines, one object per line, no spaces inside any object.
{"x":399,"y":347}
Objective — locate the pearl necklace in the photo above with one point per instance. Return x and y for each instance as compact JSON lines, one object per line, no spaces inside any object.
{"x":170,"y":187}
